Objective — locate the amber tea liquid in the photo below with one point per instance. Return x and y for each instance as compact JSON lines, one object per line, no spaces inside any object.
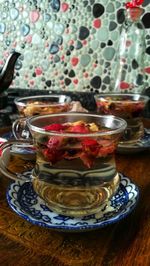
{"x":75,"y":171}
{"x":71,"y":189}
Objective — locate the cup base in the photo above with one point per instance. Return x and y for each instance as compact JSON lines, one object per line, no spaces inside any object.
{"x":132,"y":134}
{"x":74,"y":201}
{"x":125,"y":143}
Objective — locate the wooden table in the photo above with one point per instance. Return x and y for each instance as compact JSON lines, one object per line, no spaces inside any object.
{"x":126,"y":243}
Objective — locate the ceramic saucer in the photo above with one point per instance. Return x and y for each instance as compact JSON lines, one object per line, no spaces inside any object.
{"x":27,"y":204}
{"x":141,"y":145}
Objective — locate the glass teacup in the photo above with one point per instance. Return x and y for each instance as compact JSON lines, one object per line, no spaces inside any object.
{"x":75,"y":170}
{"x":127,"y":106}
{"x":37,"y":105}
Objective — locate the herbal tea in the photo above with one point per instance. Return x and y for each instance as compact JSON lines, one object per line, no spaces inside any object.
{"x":37,"y":105}
{"x":128,"y":107}
{"x":75,"y":175}
{"x":40,"y":105}
{"x":75,"y":170}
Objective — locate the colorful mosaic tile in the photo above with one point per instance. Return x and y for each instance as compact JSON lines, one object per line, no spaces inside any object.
{"x":65,"y":45}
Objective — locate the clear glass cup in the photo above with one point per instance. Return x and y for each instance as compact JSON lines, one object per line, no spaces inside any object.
{"x":75,"y":170}
{"x":127,"y":106}
{"x":37,"y":105}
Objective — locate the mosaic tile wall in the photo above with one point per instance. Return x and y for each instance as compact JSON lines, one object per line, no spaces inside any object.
{"x":66,"y":45}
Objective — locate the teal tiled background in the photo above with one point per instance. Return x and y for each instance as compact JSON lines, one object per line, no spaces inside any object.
{"x":65,"y":45}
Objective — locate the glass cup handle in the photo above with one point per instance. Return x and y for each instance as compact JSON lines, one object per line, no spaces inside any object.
{"x":5,"y":158}
{"x":19,"y":129}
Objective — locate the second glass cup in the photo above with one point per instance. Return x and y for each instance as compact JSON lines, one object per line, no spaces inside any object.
{"x":127,"y":106}
{"x":37,"y":105}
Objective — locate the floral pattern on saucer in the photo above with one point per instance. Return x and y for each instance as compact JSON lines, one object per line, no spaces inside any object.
{"x":27,"y":204}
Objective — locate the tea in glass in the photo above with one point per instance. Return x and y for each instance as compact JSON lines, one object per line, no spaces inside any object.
{"x":128,"y":107}
{"x":37,"y":105}
{"x":42,"y":104}
{"x":75,"y":171}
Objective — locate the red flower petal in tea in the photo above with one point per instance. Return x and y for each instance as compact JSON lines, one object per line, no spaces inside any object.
{"x":90,"y":146}
{"x":89,"y":142}
{"x":79,"y":129}
{"x":54,"y":127}
{"x":54,"y":142}
{"x":87,"y":159}
{"x":53,"y":156}
{"x":104,"y":151}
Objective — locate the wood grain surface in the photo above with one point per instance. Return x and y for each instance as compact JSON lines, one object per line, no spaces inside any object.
{"x":126,"y":243}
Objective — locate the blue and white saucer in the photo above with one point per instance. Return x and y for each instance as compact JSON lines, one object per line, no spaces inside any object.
{"x":141,"y":145}
{"x":26,"y":203}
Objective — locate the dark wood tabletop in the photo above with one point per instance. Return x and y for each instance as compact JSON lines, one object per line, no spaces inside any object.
{"x":125,"y":243}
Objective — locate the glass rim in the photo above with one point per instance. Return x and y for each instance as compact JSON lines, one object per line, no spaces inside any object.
{"x":137,"y":96}
{"x":110,"y":131}
{"x":19,"y":101}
